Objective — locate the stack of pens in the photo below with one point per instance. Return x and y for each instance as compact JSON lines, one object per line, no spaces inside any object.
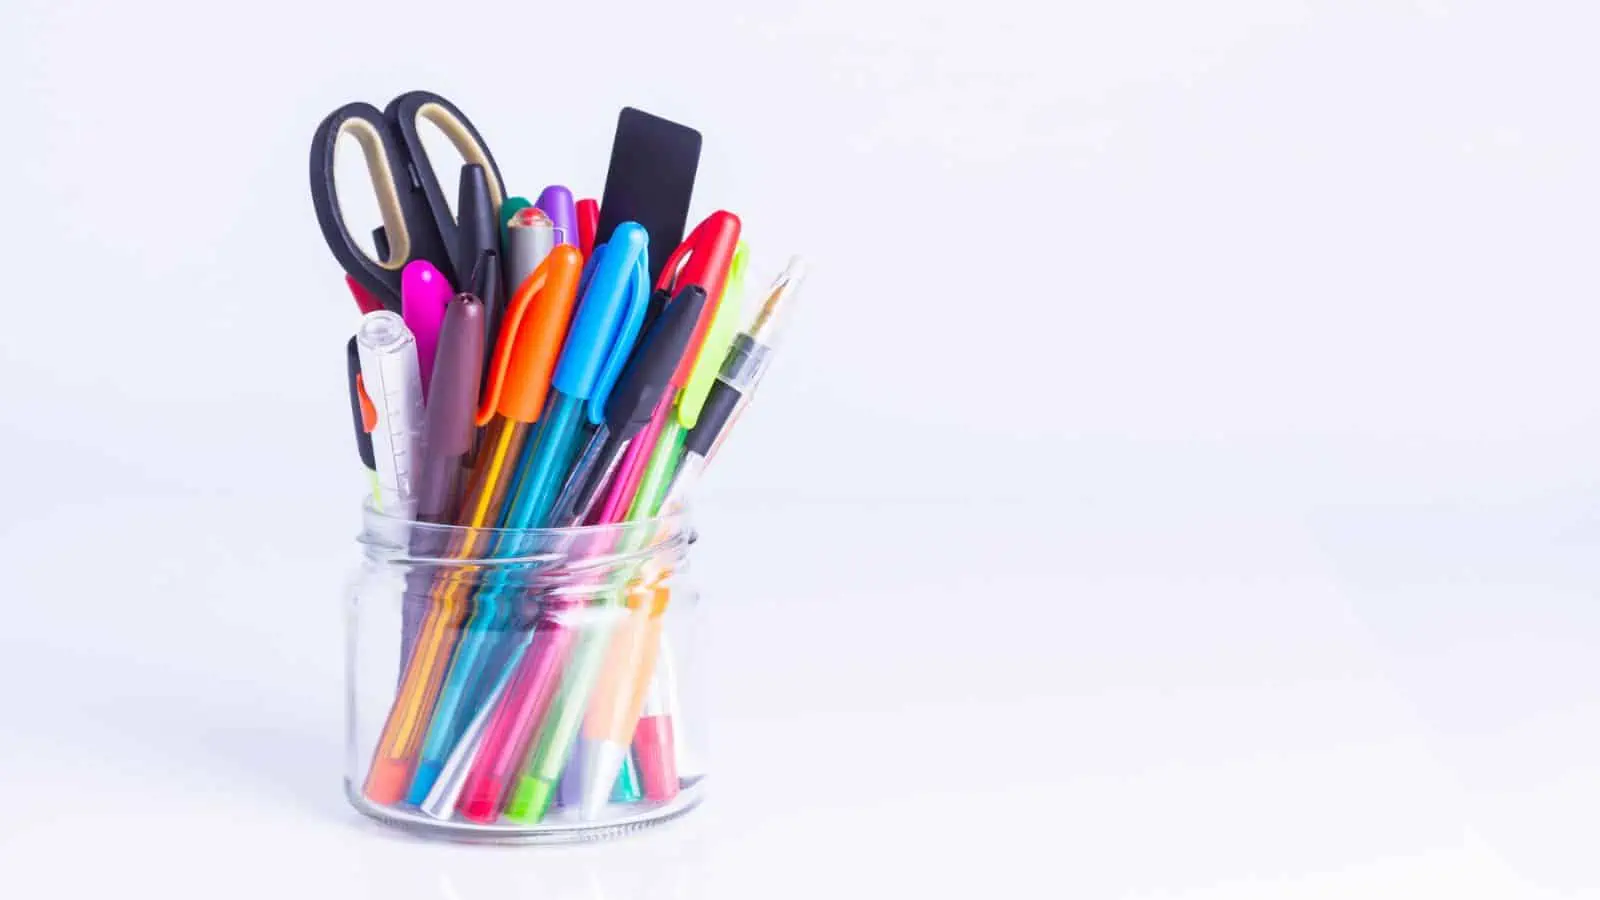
{"x":536,"y":389}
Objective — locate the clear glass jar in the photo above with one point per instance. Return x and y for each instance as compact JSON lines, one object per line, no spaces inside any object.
{"x":522,"y":685}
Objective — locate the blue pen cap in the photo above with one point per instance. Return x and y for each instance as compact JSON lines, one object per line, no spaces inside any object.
{"x":608,"y":318}
{"x":639,"y":297}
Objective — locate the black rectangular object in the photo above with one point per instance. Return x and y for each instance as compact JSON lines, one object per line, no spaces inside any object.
{"x":650,"y":181}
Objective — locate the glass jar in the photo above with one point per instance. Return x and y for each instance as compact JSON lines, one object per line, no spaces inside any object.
{"x":522,"y":685}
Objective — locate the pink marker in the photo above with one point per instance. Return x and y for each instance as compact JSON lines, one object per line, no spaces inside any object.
{"x":424,"y":294}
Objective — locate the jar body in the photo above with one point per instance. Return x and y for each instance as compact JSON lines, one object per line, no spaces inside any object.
{"x":523,"y":685}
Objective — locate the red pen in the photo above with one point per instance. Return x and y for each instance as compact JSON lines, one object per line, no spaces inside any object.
{"x":703,"y":258}
{"x":588,"y":224}
{"x":364,"y":298}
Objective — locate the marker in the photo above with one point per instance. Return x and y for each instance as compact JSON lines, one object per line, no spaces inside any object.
{"x":424,"y":293}
{"x":451,"y":409}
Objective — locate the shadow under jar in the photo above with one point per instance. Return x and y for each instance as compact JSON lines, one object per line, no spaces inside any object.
{"x":522,"y":685}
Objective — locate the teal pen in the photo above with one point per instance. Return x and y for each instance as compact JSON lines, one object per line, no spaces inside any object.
{"x":610,"y":313}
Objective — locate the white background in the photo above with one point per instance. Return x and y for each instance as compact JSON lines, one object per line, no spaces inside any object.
{"x":1180,"y":480}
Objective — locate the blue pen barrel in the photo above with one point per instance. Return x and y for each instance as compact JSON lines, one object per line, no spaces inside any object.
{"x":486,"y":637}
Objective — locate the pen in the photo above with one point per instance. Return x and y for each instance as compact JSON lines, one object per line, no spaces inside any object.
{"x":478,"y":232}
{"x":365,"y":301}
{"x":555,"y":201}
{"x":390,"y":375}
{"x":557,"y":740}
{"x":451,"y":780}
{"x":510,"y":406}
{"x":530,"y":237}
{"x":447,"y":434}
{"x":742,"y":369}
{"x":451,"y":410}
{"x":625,"y":676}
{"x":632,"y":404}
{"x":704,"y":259}
{"x":588,"y":223}
{"x":424,"y":292}
{"x":603,"y":332}
{"x":363,"y":412}
{"x":642,"y":380}
{"x":625,"y":661}
{"x":538,"y":317}
{"x":508,"y":210}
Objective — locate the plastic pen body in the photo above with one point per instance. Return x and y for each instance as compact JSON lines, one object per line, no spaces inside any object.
{"x":619,"y":696}
{"x":493,"y":618}
{"x":393,"y":384}
{"x":603,"y":331}
{"x":539,"y":311}
{"x":530,"y":237}
{"x":451,"y":778}
{"x":403,"y":732}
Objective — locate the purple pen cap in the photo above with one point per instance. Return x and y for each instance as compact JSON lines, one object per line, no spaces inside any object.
{"x":556,"y":202}
{"x":451,"y":406}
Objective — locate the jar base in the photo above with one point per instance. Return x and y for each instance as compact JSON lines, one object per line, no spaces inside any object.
{"x":559,"y":828}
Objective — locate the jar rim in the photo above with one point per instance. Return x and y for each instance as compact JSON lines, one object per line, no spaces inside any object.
{"x":375,"y":520}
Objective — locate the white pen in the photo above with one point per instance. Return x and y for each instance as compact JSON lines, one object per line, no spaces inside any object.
{"x":393,"y":382}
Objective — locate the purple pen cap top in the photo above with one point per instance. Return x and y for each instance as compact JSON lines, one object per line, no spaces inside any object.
{"x":556,"y":202}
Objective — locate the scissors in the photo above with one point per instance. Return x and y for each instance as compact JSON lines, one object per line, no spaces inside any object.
{"x":417,"y":222}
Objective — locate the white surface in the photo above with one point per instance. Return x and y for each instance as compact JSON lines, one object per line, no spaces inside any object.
{"x":1290,"y":304}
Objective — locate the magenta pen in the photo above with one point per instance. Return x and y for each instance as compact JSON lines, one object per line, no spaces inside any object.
{"x":424,"y":293}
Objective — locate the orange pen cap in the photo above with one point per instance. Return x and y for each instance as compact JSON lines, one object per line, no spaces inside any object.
{"x":531,"y":337}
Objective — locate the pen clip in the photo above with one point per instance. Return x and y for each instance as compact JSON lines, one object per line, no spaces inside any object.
{"x":506,"y":345}
{"x":540,"y":307}
{"x":627,"y":334}
{"x":676,"y":262}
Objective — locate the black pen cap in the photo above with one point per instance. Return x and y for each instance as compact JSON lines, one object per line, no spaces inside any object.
{"x":353,"y":372}
{"x":476,"y":227}
{"x":649,"y":370}
{"x":485,"y":283}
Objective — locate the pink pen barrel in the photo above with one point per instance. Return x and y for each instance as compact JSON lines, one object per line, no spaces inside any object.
{"x":630,"y":471}
{"x":511,"y":729}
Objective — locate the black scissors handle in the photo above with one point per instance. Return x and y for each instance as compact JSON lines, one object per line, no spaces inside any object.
{"x":406,"y":111}
{"x":417,"y":222}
